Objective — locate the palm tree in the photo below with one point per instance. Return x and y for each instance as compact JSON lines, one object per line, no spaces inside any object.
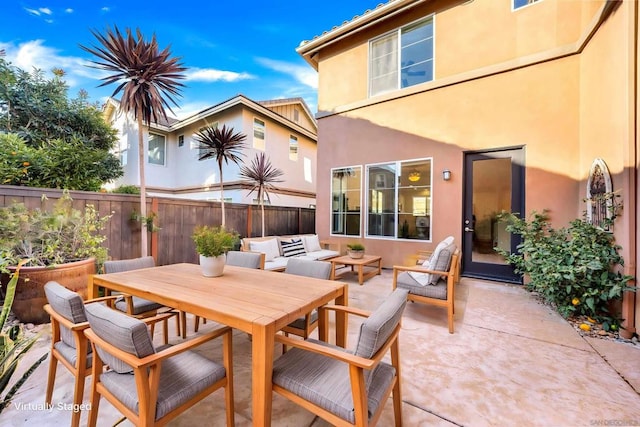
{"x":148,"y":79}
{"x":262,"y":175}
{"x":221,"y":144}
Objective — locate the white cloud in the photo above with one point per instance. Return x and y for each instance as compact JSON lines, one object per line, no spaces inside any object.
{"x":45,"y":10}
{"x":32,"y":11}
{"x":68,"y":10}
{"x":105,"y":9}
{"x":40,"y":11}
{"x":302,"y":73}
{"x":212,"y":75}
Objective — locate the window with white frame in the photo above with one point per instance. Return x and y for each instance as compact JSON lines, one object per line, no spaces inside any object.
{"x":156,"y":151}
{"x":293,"y":148}
{"x":399,"y":199}
{"x":180,"y":140}
{"x":402,"y":58}
{"x":346,"y":196}
{"x":124,"y":153}
{"x":517,"y":4}
{"x":258,"y":134}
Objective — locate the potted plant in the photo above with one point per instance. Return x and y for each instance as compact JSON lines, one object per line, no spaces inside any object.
{"x":212,"y":243}
{"x":62,"y":244}
{"x":355,"y":250}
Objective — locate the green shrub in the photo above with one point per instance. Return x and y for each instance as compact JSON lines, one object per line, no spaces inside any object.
{"x":576,"y":269}
{"x":127,"y":189}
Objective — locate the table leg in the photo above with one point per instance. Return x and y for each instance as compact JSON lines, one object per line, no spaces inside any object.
{"x":92,"y":290}
{"x":333,"y":271}
{"x":341,"y":318}
{"x":361,"y":274}
{"x":262,"y":342}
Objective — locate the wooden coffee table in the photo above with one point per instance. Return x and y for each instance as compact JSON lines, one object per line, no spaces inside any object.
{"x":372,"y":262}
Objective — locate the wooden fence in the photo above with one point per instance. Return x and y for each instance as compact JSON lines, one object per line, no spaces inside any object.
{"x":176,"y":218}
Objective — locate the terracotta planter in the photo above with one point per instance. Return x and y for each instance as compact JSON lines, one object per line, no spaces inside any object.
{"x":212,"y":266}
{"x":30,"y":297}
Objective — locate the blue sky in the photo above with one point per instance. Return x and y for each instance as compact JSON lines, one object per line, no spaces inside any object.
{"x":229,"y":47}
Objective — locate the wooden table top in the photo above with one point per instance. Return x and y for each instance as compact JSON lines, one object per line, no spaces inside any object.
{"x":239,"y":298}
{"x":346,"y":259}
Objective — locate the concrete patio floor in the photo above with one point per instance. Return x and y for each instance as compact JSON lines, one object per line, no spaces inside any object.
{"x":511,"y":362}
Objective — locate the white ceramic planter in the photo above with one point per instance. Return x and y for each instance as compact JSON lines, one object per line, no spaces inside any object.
{"x":212,"y":266}
{"x":355,"y":254}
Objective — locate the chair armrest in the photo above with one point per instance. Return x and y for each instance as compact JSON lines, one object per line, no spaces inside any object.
{"x":55,"y":316}
{"x":418,"y":269}
{"x":328,"y":351}
{"x":346,"y":309}
{"x":334,"y":246}
{"x":155,"y":358}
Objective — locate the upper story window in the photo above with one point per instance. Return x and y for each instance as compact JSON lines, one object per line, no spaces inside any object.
{"x":401,"y":58}
{"x":293,"y":148}
{"x":517,"y":4}
{"x":180,"y":140}
{"x":346,"y":200}
{"x":258,"y":134}
{"x":157,"y":147}
{"x":399,"y":199}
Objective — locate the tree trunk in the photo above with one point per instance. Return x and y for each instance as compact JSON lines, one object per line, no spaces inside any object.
{"x":221,"y":194}
{"x":143,"y":189}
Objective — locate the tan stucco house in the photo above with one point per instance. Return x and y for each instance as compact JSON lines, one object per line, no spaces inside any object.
{"x":283,"y":128}
{"x":435,"y":115}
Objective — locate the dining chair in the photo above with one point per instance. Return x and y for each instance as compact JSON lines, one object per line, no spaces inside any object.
{"x":140,"y":307}
{"x":303,"y":326}
{"x":238,"y":259}
{"x":68,"y":344}
{"x":152,"y":386}
{"x":347,"y":387}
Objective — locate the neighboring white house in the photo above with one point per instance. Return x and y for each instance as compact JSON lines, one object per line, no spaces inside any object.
{"x":284,"y":128}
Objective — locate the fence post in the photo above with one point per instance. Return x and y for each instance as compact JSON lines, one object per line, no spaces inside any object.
{"x":249,"y":220}
{"x":154,"y":235}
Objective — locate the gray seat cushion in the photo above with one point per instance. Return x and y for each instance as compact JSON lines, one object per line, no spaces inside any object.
{"x":437,"y":291}
{"x":124,"y":332}
{"x":181,"y":377}
{"x":308,"y":268}
{"x":70,"y":306}
{"x":325,"y":381}
{"x":70,"y":354}
{"x":140,"y":305}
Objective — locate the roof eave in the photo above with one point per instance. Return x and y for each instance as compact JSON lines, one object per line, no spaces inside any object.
{"x":308,"y":50}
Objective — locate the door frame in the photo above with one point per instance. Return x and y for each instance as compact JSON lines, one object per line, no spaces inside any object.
{"x":470,"y":268}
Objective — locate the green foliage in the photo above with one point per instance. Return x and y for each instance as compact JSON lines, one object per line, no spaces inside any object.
{"x":355,"y":247}
{"x":214,"y":241}
{"x":149,"y":221}
{"x":13,"y":345}
{"x":45,"y":238}
{"x":127,"y":189}
{"x":65,"y":143}
{"x":576,"y":269}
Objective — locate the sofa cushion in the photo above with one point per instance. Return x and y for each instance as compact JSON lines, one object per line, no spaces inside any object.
{"x":278,"y":263}
{"x":311,"y":243}
{"x":293,"y":247}
{"x":321,"y":254}
{"x":269,"y":248}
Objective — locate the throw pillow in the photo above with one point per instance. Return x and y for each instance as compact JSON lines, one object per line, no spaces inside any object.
{"x":291,"y":248}
{"x":443,"y":262}
{"x":311,"y":243}
{"x":432,"y":263}
{"x":269,"y":248}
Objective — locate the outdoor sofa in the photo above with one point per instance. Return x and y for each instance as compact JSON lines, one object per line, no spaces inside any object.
{"x":279,"y":249}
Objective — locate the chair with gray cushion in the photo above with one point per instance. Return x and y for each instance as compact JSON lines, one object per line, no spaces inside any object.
{"x":68,"y":344}
{"x":238,"y":259}
{"x":434,"y":283}
{"x":140,"y":307}
{"x":149,"y":386}
{"x":303,"y":326}
{"x":341,"y":386}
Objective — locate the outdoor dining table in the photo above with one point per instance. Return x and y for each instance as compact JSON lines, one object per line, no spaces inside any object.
{"x":255,"y":301}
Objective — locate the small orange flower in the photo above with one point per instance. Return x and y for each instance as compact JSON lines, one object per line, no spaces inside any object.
{"x":575,"y":301}
{"x":13,"y":153}
{"x":25,"y":164}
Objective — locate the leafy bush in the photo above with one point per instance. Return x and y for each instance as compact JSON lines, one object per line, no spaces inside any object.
{"x":214,"y":241}
{"x":127,"y":189}
{"x":576,"y":269}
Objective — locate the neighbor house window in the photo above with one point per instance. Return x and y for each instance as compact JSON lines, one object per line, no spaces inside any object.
{"x":293,"y":148}
{"x":346,"y":196}
{"x":517,"y":4}
{"x":399,"y":199}
{"x":401,"y":58}
{"x":180,"y":140}
{"x":156,"y":150}
{"x":258,"y":134}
